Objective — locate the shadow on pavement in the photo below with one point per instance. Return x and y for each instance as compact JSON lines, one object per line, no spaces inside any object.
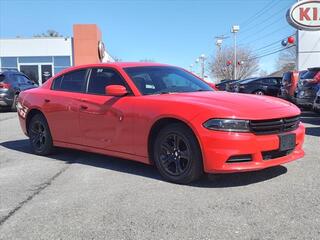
{"x":131,"y":167}
{"x":313,"y":119}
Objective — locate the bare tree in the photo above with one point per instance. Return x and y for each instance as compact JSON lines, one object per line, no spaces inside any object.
{"x":287,"y":60}
{"x":48,"y":33}
{"x":147,"y":60}
{"x":248,"y":66}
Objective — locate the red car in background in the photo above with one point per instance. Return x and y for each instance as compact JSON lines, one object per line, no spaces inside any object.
{"x":162,"y":115}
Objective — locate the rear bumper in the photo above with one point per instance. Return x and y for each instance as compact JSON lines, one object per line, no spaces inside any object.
{"x":219,"y":147}
{"x":5,"y":100}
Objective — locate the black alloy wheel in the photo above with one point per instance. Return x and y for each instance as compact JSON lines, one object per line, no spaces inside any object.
{"x":259,"y":92}
{"x":177,"y":154}
{"x":14,"y":103}
{"x":40,"y":136}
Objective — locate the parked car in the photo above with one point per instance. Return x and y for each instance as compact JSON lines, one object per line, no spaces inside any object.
{"x":12,"y":83}
{"x":316,"y":104}
{"x":289,"y":84}
{"x":162,"y":115}
{"x":308,"y":87}
{"x":260,"y":86}
{"x":223,"y":84}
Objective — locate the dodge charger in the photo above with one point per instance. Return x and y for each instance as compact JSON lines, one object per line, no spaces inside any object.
{"x":161,"y":115}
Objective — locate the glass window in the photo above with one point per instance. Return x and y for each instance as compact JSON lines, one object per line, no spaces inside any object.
{"x":309,"y":74}
{"x":22,"y":79}
{"x":102,"y":77}
{"x":62,"y":61}
{"x":74,"y":81}
{"x":9,"y":62}
{"x":35,"y":59}
{"x":57,"y":83}
{"x":160,"y":80}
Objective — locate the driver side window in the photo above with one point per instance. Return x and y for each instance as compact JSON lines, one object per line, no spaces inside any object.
{"x":102,"y":77}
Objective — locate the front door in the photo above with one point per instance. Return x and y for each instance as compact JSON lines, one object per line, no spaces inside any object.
{"x":32,"y":71}
{"x":106,"y":122}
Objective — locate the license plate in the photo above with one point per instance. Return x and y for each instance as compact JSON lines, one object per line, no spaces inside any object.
{"x":287,"y":142}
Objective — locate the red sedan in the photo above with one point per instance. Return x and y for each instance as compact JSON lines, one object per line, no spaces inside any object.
{"x":162,"y":115}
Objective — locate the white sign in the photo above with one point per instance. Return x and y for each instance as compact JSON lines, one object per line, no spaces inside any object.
{"x":305,"y":15}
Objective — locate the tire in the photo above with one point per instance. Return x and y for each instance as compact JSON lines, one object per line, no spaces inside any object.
{"x":14,"y":103}
{"x":40,"y":136}
{"x":177,"y":154}
{"x":259,"y":92}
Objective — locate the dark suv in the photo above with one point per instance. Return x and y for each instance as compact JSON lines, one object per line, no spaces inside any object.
{"x":12,"y":83}
{"x":308,"y":86}
{"x":260,"y":86}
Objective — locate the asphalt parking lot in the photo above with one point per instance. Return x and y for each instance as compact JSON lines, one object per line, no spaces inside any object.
{"x":77,"y":195}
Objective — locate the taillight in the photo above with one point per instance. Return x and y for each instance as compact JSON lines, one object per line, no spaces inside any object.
{"x":5,"y":85}
{"x":317,"y":77}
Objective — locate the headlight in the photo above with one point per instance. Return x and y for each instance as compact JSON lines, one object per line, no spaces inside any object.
{"x":229,"y":125}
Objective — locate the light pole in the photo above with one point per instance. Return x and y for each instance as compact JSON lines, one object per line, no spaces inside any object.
{"x":202,"y":59}
{"x":234,"y":30}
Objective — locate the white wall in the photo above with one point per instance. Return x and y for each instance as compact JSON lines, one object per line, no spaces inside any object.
{"x":20,"y":47}
{"x":308,"y":50}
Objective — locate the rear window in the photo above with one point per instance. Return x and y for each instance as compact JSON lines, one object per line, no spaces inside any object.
{"x":2,"y":77}
{"x":71,"y":82}
{"x":309,"y":75}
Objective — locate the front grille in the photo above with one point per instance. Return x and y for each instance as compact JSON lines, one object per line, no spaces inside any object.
{"x":268,"y":155}
{"x":240,"y":158}
{"x":273,"y":126}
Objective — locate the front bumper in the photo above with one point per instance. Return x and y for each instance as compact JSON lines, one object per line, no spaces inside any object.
{"x":219,"y":147}
{"x":304,"y":101}
{"x":316,"y":104}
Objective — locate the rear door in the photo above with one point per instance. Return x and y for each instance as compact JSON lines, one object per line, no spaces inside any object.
{"x":106,"y":122}
{"x":62,"y":104}
{"x":273,"y":86}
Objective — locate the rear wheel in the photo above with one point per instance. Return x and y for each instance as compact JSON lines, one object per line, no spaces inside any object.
{"x":177,"y":154}
{"x":40,"y":136}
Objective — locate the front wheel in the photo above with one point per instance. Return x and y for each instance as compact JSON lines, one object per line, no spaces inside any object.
{"x":14,"y":103}
{"x":259,"y":92}
{"x":177,"y":154}
{"x":40,"y":136}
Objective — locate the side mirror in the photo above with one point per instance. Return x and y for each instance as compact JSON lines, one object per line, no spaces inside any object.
{"x":213,"y":86}
{"x":116,"y":90}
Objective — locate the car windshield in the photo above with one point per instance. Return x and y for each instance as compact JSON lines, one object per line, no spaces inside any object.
{"x":309,"y":74}
{"x":244,"y":81}
{"x":162,"y":80}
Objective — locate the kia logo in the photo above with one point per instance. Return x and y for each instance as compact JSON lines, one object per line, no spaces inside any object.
{"x":305,"y":15}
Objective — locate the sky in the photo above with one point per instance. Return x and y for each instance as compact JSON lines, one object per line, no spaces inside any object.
{"x":173,"y":32}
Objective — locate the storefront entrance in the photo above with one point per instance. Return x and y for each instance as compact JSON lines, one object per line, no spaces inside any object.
{"x":39,"y":73}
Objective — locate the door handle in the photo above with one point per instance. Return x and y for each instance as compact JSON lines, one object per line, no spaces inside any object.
{"x":84,"y":107}
{"x":47,"y":100}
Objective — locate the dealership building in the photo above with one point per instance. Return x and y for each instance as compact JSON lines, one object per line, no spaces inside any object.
{"x":42,"y":57}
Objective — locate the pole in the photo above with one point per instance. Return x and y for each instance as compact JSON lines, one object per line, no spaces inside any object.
{"x":235,"y":57}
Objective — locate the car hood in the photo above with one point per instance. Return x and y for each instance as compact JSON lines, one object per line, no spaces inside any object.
{"x":234,"y":105}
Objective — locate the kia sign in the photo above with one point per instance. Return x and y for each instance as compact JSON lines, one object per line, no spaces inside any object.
{"x":305,"y":15}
